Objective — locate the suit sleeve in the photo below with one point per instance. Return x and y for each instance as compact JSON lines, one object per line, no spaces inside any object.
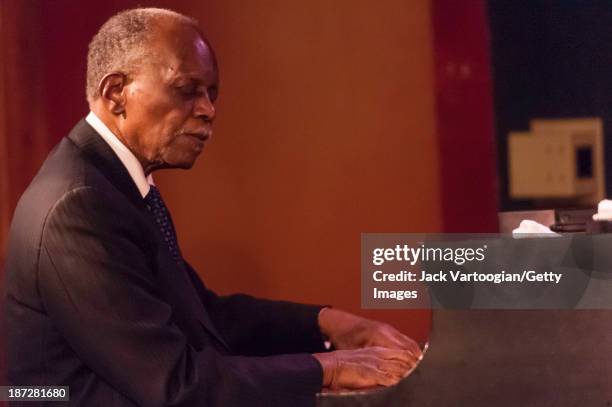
{"x":96,"y":282}
{"x":254,"y":326}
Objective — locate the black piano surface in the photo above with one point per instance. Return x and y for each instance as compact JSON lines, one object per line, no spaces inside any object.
{"x":506,"y":358}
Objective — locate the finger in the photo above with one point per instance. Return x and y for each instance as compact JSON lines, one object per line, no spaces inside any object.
{"x":407,"y":344}
{"x":397,"y":340}
{"x":395,"y":367}
{"x":411,"y":345}
{"x":391,"y":338}
{"x":388,"y":341}
{"x":363,"y":376}
{"x":386,"y":379}
{"x":398,"y":354}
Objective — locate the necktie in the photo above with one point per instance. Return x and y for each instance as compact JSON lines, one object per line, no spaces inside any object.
{"x":160,"y":213}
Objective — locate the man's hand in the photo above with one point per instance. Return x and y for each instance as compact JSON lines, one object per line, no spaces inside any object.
{"x":363,"y":368}
{"x":348,"y":331}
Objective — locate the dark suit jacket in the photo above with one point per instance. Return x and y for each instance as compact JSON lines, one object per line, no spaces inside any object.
{"x":95,"y":301}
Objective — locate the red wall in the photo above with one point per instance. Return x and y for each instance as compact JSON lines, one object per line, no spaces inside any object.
{"x":464,"y":111}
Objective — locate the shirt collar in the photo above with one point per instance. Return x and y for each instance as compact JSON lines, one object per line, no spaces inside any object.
{"x":128,"y":159}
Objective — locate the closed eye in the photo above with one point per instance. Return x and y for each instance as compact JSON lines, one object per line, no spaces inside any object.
{"x":188,"y":89}
{"x":213,"y":93}
{"x":192,"y":90}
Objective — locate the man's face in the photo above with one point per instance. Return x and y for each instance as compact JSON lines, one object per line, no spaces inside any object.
{"x":169,"y":100}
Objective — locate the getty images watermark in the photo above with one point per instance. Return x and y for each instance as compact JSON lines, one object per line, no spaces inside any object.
{"x":485,"y":271}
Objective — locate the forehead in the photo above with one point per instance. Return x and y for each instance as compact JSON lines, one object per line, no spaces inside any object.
{"x":182,"y":51}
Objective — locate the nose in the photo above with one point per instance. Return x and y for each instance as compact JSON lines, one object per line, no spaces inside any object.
{"x":204,"y":107}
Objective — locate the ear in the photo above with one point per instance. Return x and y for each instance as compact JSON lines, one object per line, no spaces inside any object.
{"x":112,"y":88}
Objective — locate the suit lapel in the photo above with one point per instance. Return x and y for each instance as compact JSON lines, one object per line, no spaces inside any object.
{"x":107,"y":162}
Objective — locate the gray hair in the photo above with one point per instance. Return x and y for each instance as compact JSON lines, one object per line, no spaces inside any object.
{"x":122,"y":43}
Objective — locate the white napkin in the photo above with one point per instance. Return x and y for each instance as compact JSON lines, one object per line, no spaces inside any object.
{"x":604,"y":210}
{"x":530,"y":227}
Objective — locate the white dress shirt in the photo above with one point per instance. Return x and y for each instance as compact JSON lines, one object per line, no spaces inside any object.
{"x":128,"y":159}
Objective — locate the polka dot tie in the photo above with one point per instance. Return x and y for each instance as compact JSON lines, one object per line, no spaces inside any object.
{"x":160,"y":213}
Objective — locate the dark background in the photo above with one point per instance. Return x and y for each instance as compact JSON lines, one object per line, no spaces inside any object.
{"x":550,"y":59}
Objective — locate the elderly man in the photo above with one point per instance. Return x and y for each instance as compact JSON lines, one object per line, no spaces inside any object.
{"x":99,"y":297}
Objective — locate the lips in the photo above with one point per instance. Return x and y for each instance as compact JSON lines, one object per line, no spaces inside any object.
{"x":199,"y":136}
{"x":199,"y":139}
